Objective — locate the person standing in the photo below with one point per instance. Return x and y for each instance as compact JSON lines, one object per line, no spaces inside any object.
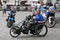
{"x":42,"y":7}
{"x":13,"y":9}
{"x":4,"y":6}
{"x":38,"y":5}
{"x":34,"y":6}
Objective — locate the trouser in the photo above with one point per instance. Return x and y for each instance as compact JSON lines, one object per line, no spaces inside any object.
{"x":4,"y":11}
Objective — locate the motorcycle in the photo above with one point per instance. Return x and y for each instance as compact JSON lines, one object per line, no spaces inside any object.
{"x":10,"y":20}
{"x":28,"y":25}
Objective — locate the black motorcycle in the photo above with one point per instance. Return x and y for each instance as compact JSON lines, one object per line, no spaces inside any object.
{"x":28,"y":26}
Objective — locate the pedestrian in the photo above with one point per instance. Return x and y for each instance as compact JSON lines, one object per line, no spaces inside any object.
{"x":42,"y":7}
{"x":34,"y":4}
{"x":13,"y":9}
{"x":4,"y":6}
{"x":9,"y":10}
{"x":38,"y":5}
{"x":18,"y":8}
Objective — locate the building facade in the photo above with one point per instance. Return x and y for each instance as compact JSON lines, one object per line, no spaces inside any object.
{"x":53,"y":1}
{"x":16,"y":2}
{"x":13,"y":2}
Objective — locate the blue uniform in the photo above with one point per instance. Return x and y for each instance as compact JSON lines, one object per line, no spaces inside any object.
{"x":47,"y":12}
{"x":39,"y":17}
{"x":42,"y":8}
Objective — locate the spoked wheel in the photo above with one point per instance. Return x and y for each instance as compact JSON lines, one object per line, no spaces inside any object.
{"x":51,"y":24}
{"x":41,"y":32}
{"x":14,"y":32}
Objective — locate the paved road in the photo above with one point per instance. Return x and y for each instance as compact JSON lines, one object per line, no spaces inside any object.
{"x":53,"y":33}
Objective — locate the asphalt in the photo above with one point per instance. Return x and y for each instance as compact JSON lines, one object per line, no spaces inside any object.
{"x":53,"y":33}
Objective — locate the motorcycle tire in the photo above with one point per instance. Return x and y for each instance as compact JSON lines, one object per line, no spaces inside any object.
{"x":38,"y":34}
{"x":51,"y":26}
{"x":9,"y":25}
{"x":15,"y":30}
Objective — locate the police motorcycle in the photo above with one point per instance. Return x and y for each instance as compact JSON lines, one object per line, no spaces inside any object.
{"x":29,"y":26}
{"x":11,"y":19}
{"x":49,"y":17}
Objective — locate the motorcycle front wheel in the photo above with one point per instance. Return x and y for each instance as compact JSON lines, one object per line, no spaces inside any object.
{"x":52,"y":24}
{"x":14,"y":31}
{"x":41,"y":32}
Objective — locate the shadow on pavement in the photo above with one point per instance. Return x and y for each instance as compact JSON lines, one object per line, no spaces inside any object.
{"x":29,"y":36}
{"x":57,"y":23}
